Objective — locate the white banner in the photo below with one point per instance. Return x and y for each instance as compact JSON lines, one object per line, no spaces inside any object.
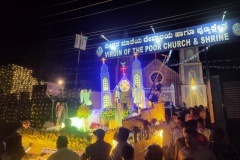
{"x":80,"y":42}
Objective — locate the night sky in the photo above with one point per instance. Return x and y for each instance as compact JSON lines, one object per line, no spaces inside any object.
{"x":40,"y":34}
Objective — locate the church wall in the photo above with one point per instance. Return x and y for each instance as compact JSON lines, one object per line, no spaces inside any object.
{"x":169,"y":77}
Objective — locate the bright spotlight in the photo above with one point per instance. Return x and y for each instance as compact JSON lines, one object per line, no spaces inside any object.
{"x":157,"y":40}
{"x":104,"y":37}
{"x":77,"y":122}
{"x":152,"y":29}
{"x":193,"y":87}
{"x":161,"y":133}
{"x":113,"y":48}
{"x":60,"y":82}
{"x":224,"y":14}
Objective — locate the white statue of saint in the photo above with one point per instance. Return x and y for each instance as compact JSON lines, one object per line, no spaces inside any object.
{"x":137,"y":96}
{"x":61,"y":113}
{"x":119,"y":110}
{"x":85,"y":97}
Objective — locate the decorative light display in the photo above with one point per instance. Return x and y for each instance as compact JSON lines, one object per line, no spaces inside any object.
{"x":19,"y":99}
{"x":16,"y":79}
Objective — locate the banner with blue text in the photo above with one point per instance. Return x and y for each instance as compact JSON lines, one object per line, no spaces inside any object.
{"x":201,"y":35}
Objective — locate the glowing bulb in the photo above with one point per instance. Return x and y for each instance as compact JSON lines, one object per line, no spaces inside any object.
{"x":157,"y":40}
{"x":193,"y":87}
{"x":113,"y":48}
{"x":161,"y":133}
{"x":60,"y":82}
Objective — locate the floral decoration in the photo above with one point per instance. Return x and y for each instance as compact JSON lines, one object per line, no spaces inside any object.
{"x":108,"y":113}
{"x":84,"y":112}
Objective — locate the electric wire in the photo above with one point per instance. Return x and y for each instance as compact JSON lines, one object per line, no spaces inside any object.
{"x":143,"y":29}
{"x":70,"y":19}
{"x":170,"y":17}
{"x":64,"y":12}
{"x":56,"y":5}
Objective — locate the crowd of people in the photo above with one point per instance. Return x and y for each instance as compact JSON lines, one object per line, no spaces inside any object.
{"x":187,"y":135}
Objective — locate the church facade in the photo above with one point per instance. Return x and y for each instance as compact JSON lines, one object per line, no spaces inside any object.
{"x":193,"y":89}
{"x":143,"y":80}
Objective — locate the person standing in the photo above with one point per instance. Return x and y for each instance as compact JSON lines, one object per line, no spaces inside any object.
{"x":122,"y":137}
{"x":155,"y":152}
{"x":98,"y":150}
{"x":193,"y":148}
{"x":128,"y":152}
{"x":68,"y":126}
{"x":167,"y":126}
{"x":177,"y":133}
{"x":203,"y":130}
{"x":221,"y":149}
{"x":63,"y":152}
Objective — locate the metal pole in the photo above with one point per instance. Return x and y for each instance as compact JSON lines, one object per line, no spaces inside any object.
{"x":77,"y":69}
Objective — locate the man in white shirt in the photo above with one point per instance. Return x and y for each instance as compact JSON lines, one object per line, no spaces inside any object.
{"x":203,"y":130}
{"x":177,"y":133}
{"x":63,"y":152}
{"x":167,"y":126}
{"x":193,"y":149}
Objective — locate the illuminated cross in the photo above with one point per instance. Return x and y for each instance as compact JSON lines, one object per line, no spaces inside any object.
{"x":103,"y":60}
{"x":123,"y":67}
{"x":135,"y":55}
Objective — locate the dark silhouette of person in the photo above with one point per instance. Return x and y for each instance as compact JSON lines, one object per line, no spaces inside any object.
{"x":68,"y":126}
{"x":63,"y":152}
{"x":221,"y":150}
{"x":127,"y":152}
{"x":122,"y":137}
{"x":14,"y":146}
{"x":155,"y":152}
{"x":98,"y":150}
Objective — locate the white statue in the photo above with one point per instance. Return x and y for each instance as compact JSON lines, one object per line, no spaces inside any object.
{"x":85,"y":97}
{"x":137,"y":96}
{"x":117,"y":94}
{"x":61,"y":112}
{"x":119,"y":110}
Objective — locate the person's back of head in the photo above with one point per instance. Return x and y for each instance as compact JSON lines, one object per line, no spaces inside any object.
{"x":155,"y":152}
{"x":123,"y":134}
{"x":100,"y":133}
{"x":190,"y":124}
{"x":127,"y":152}
{"x":62,"y":142}
{"x":200,"y":120}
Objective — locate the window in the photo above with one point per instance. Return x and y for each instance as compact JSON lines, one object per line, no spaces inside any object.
{"x":137,"y":80}
{"x":106,"y":101}
{"x":191,"y":75}
{"x":105,"y":84}
{"x":156,"y":76}
{"x":190,"y":53}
